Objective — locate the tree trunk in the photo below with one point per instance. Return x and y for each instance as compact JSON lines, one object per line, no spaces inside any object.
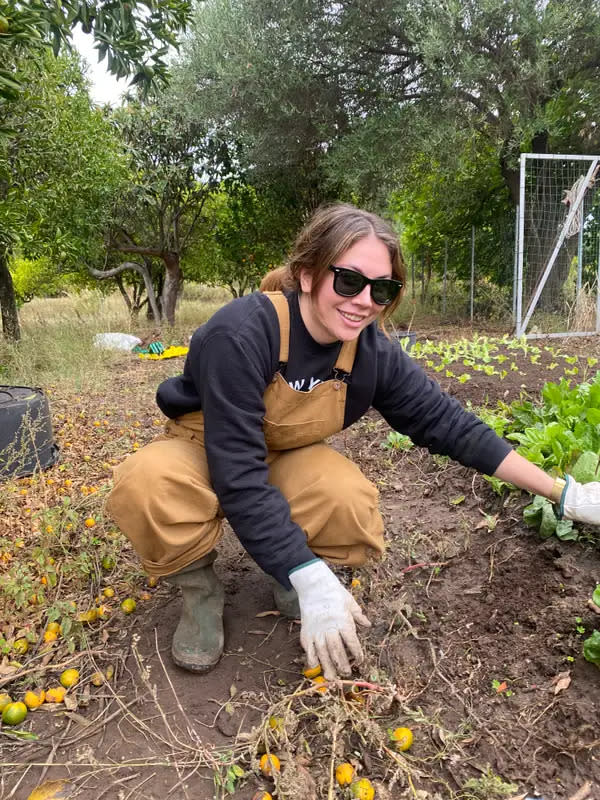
{"x":8,"y":300}
{"x":171,"y":286}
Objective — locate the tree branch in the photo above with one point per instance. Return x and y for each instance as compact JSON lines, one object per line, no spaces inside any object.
{"x":143,"y":271}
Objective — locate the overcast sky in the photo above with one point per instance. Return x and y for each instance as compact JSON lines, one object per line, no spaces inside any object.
{"x":105,"y":87}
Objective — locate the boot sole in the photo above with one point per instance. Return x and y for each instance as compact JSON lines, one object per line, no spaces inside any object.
{"x":199,"y":669}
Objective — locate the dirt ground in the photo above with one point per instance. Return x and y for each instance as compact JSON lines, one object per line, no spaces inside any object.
{"x":475,"y":645}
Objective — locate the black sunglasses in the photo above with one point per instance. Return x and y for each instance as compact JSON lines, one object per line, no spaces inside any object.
{"x":349,"y":283}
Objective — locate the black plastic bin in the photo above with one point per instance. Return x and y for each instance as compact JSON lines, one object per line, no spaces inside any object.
{"x":26,"y":438}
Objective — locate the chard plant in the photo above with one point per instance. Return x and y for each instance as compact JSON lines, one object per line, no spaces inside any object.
{"x":591,"y":646}
{"x":562,"y":436}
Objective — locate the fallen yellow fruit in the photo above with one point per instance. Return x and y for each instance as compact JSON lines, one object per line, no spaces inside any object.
{"x":108,"y":563}
{"x":90,"y":522}
{"x":88,"y":616}
{"x":362,"y":789}
{"x":14,"y":713}
{"x":402,"y":738}
{"x":50,"y":636}
{"x":109,"y":672}
{"x":5,"y":699}
{"x":276,"y":723}
{"x":108,"y":592}
{"x":20,"y":646}
{"x":97,"y":679}
{"x":56,"y":694}
{"x":319,"y":680}
{"x":344,"y":774}
{"x":269,"y":764}
{"x":52,"y":790}
{"x":128,"y":605}
{"x":34,"y":699}
{"x":261,"y":795}
{"x":69,"y":677}
{"x":312,"y":672}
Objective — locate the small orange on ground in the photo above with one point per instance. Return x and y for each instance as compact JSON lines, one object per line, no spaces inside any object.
{"x":89,"y":522}
{"x":402,"y":738}
{"x":102,"y":611}
{"x":50,"y":636}
{"x":56,"y":694}
{"x":20,"y":646}
{"x":128,"y":605}
{"x":312,"y":672}
{"x":97,"y":679}
{"x":54,"y":627}
{"x":88,"y":616}
{"x":108,"y":592}
{"x":14,"y":713}
{"x":276,"y":723}
{"x":69,"y":677}
{"x":34,"y":699}
{"x":355,"y":583}
{"x":5,"y":699}
{"x":362,"y":789}
{"x":344,"y":774}
{"x":262,"y":795}
{"x":320,"y":680}
{"x":269,"y":764}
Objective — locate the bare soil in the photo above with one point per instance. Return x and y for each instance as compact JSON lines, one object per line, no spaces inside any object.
{"x":475,"y":645}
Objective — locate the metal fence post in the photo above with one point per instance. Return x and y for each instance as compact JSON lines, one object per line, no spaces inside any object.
{"x":472,"y":269}
{"x":445,"y":276}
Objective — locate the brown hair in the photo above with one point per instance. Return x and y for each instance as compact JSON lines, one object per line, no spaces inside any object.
{"x":330,"y":231}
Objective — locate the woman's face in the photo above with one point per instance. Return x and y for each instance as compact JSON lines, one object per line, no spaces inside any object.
{"x":328,"y":316}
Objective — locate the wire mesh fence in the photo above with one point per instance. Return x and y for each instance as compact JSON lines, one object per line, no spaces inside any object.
{"x":558,"y":252}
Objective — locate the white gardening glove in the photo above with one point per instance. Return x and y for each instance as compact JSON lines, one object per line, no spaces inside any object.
{"x":328,"y":613}
{"x":581,"y":501}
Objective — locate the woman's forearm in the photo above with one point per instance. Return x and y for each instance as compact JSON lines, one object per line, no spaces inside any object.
{"x":516,"y":469}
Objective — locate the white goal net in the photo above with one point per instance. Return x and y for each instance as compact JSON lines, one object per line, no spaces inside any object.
{"x":557,"y":265}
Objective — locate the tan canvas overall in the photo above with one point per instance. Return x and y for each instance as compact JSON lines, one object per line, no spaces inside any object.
{"x":164,"y":502}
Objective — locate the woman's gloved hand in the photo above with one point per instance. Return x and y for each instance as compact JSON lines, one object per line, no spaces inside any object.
{"x":328,"y":614}
{"x":581,"y":501}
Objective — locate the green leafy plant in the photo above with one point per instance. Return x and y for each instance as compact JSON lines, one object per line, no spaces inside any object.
{"x":397,"y":441}
{"x":540,"y":514}
{"x":591,"y":646}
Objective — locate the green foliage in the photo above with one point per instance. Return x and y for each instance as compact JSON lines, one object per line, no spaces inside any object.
{"x":487,"y":787}
{"x":60,"y":167}
{"x":39,"y":278}
{"x":397,"y":441}
{"x":246,"y":232}
{"x":442,"y":198}
{"x":132,"y":36}
{"x":591,"y":648}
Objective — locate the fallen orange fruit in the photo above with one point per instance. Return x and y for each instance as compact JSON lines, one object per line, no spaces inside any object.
{"x":269,"y":764}
{"x":34,"y":699}
{"x":69,"y":677}
{"x":344,"y":774}
{"x":56,"y":694}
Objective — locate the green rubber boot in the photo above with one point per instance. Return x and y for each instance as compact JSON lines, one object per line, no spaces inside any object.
{"x":198,"y":639}
{"x":286,"y":600}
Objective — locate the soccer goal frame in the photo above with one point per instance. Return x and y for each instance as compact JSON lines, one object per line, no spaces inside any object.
{"x":557,"y":246}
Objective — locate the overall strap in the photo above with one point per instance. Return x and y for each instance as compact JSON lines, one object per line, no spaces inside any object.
{"x":282,"y":308}
{"x":345,"y":360}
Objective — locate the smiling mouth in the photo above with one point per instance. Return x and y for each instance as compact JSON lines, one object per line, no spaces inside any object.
{"x":351,"y":317}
